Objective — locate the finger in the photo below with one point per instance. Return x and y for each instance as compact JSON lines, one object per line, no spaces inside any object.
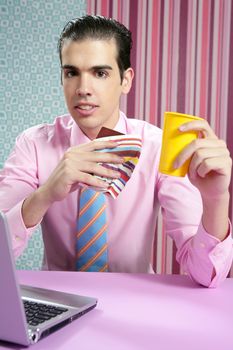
{"x":101,"y":157}
{"x":99,"y":170}
{"x":202,"y":155}
{"x":91,"y":180}
{"x":189,"y":150}
{"x":92,"y":156}
{"x":220,"y":165}
{"x":199,"y":125}
{"x":96,"y":145}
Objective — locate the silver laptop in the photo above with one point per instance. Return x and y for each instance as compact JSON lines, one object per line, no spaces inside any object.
{"x":27,"y":314}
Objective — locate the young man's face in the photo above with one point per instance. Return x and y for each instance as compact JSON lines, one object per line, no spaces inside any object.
{"x":92,"y":84}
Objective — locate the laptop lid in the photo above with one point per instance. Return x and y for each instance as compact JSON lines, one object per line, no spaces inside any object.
{"x":15,"y":328}
{"x":9,"y":293}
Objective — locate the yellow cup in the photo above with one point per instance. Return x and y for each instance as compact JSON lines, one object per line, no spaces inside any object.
{"x":174,"y":141}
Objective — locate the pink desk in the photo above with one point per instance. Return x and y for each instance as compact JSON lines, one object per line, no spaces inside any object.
{"x":138,"y":311}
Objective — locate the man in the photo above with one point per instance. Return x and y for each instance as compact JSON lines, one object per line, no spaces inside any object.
{"x":41,"y":180}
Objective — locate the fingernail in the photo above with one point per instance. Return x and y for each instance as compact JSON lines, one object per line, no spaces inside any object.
{"x":182,"y":127}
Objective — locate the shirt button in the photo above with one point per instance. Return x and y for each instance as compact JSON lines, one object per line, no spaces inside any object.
{"x":202,"y":245}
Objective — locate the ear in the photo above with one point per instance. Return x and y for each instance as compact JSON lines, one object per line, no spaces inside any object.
{"x":127,"y":80}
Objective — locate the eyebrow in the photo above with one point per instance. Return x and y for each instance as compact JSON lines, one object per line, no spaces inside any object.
{"x":98,"y":67}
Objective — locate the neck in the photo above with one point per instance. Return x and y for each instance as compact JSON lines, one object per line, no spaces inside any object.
{"x":93,"y":132}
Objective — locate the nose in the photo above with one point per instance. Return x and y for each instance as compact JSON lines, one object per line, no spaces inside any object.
{"x":84,"y":86}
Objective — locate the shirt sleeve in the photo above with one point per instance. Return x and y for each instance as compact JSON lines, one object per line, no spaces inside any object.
{"x":18,"y":179}
{"x":203,"y":257}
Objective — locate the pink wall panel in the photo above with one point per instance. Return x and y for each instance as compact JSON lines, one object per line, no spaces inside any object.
{"x":183,"y":59}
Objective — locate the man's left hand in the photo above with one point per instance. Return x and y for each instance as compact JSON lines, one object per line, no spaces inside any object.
{"x":210,"y":166}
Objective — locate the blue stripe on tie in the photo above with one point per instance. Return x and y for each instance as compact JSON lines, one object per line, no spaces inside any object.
{"x":84,"y":238}
{"x":85,"y":197}
{"x":98,"y":264}
{"x":85,"y":217}
{"x":91,"y":251}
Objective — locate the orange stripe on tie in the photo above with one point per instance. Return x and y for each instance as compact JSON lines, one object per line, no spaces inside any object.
{"x":98,"y":234}
{"x":94,"y":258}
{"x":88,"y":204}
{"x":104,"y":268}
{"x":99,"y":212}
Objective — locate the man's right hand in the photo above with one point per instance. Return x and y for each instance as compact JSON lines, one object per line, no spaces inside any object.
{"x":78,"y":165}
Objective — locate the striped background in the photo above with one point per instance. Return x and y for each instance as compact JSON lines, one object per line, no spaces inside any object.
{"x":183,"y":59}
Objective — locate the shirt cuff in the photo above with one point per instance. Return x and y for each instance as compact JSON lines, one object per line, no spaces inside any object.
{"x":18,"y":231}
{"x":219,"y":255}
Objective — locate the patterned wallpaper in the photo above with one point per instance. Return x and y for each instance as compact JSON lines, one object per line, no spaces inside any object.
{"x":30,"y":91}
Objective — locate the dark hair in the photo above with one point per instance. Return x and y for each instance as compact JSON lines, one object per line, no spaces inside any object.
{"x":99,"y":28}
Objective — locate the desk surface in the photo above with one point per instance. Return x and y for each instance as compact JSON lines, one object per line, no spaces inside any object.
{"x":139,"y":311}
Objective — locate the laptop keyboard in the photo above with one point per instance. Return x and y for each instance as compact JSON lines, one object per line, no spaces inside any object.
{"x":37,"y":313}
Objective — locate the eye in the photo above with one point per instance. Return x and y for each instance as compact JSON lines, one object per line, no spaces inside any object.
{"x":69,"y":73}
{"x":101,"y":74}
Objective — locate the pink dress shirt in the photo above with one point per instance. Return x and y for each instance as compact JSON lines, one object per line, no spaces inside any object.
{"x":132,"y":216}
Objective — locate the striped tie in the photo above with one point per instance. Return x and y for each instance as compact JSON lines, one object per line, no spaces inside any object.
{"x":92,"y":232}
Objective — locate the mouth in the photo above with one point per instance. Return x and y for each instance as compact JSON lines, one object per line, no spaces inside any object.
{"x":86,"y":108}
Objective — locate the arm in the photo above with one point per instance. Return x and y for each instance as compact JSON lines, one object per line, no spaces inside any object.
{"x":18,"y":179}
{"x":198,"y":253}
{"x":210,"y":173}
{"x":78,"y":165}
{"x":21,"y":197}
